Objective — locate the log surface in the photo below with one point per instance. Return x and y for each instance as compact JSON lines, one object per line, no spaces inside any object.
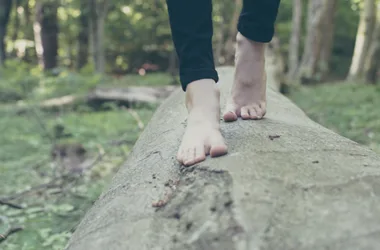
{"x":287,"y":183}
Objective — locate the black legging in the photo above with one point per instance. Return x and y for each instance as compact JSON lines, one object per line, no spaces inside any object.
{"x":191,"y":26}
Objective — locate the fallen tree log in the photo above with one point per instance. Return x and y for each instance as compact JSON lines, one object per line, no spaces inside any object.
{"x":126,"y":96}
{"x":287,"y":183}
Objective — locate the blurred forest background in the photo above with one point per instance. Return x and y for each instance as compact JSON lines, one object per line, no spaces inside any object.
{"x":79,"y":79}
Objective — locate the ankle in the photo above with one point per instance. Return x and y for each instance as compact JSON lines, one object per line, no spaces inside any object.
{"x":202,"y":94}
{"x":244,"y":44}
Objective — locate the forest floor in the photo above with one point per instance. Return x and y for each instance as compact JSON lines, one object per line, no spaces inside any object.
{"x":45,"y":216}
{"x":349,"y":109}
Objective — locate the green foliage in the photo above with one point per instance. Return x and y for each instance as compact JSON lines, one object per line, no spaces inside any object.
{"x":346,"y":25}
{"x":25,"y":155}
{"x":49,"y":219}
{"x":345,"y":22}
{"x":348,"y":109}
{"x":137,"y":32}
{"x":66,"y":83}
{"x":16,"y":81}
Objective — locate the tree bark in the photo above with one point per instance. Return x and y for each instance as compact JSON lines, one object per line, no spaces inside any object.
{"x":372,"y":64}
{"x":328,"y":37}
{"x":218,"y":55}
{"x":16,"y":21}
{"x":363,"y":39}
{"x":311,"y":54}
{"x":83,"y":37}
{"x":5,"y":9}
{"x":312,"y":48}
{"x":229,"y":48}
{"x":296,"y":200}
{"x":98,"y":12}
{"x":276,"y":64}
{"x":294,"y":43}
{"x":46,"y":34}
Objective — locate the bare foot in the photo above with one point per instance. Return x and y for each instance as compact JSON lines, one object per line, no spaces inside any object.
{"x":248,"y":93}
{"x":202,"y":135}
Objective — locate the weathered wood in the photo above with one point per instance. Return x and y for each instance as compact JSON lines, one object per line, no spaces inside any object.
{"x":287,"y":183}
{"x":126,"y":95}
{"x":363,"y":39}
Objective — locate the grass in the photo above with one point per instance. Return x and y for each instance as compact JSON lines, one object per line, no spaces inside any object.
{"x":24,"y":144}
{"x":350,"y":109}
{"x":25,"y":156}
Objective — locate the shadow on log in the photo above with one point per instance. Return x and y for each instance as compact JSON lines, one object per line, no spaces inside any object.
{"x":287,"y":183}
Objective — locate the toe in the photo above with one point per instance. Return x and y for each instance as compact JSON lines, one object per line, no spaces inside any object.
{"x":253,"y":112}
{"x":261,"y":110}
{"x":200,"y":154}
{"x":230,"y":115}
{"x":189,"y":158}
{"x":244,"y":113}
{"x":218,"y":146}
{"x":180,"y":155}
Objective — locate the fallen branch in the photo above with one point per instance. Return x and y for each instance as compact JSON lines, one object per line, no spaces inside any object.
{"x":12,"y":205}
{"x":135,"y":115}
{"x":50,"y":184}
{"x":9,"y":229}
{"x":99,"y":95}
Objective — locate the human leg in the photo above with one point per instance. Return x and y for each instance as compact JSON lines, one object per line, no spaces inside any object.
{"x":255,"y":29}
{"x":191,"y":26}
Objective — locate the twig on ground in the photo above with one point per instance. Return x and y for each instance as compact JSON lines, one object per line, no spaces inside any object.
{"x":36,"y":166}
{"x":50,"y":184}
{"x":65,"y":190}
{"x":40,"y":122}
{"x":9,"y":230}
{"x":135,"y":115}
{"x":10,"y":204}
{"x":96,"y":160}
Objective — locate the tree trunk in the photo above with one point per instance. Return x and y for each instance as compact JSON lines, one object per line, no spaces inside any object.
{"x":295,"y":37}
{"x":363,"y":39}
{"x":5,"y":9}
{"x":27,"y":55}
{"x":275,"y":64}
{"x":372,"y":64}
{"x":312,"y":48}
{"x":313,"y":193}
{"x":17,"y":21}
{"x":46,"y":34}
{"x":218,"y":55}
{"x":328,"y":36}
{"x":229,"y":47}
{"x":98,"y":12}
{"x":83,"y":37}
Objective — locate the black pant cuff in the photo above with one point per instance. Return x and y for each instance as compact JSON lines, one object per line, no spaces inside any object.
{"x":189,"y":76}
{"x":256,"y":33}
